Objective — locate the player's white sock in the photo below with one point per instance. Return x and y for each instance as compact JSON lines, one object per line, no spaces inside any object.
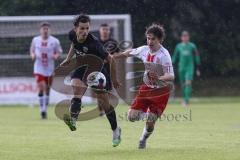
{"x":145,"y":134}
{"x":46,"y":100}
{"x":42,"y":104}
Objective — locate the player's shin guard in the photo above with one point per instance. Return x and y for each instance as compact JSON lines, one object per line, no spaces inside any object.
{"x":111,"y":116}
{"x":147,"y":131}
{"x":75,"y":107}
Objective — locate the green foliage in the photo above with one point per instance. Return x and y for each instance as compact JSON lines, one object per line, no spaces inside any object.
{"x":214,"y":25}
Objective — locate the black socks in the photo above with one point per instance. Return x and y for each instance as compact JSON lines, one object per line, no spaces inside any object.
{"x":111,"y":116}
{"x":75,"y":107}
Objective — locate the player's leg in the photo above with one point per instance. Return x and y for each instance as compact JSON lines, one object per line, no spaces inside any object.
{"x":47,"y":93}
{"x":103,"y":102}
{"x":101,"y":109}
{"x":108,"y":87}
{"x":139,"y":106}
{"x":79,"y":89}
{"x":138,"y":111}
{"x":43,"y":107}
{"x":45,"y":86}
{"x":158,"y":103}
{"x":147,"y":130}
{"x":48,"y":81}
{"x":182,"y":79}
{"x":41,"y":86}
{"x":135,"y":114}
{"x":188,"y":85}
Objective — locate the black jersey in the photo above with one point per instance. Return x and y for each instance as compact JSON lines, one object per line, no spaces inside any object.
{"x":90,"y":46}
{"x":94,"y":47}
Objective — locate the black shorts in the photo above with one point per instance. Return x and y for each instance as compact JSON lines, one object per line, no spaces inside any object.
{"x":79,"y":73}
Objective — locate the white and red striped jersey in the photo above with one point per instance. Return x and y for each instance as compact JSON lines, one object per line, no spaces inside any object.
{"x":44,"y":51}
{"x":159,"y":62}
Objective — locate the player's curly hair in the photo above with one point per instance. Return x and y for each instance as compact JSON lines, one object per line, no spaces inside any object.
{"x":83,"y":18}
{"x":157,"y":30}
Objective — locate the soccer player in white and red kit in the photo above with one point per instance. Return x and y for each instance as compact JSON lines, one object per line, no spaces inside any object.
{"x":44,"y":50}
{"x":153,"y":94}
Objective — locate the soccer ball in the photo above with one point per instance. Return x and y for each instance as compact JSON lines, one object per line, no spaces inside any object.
{"x":96,"y":80}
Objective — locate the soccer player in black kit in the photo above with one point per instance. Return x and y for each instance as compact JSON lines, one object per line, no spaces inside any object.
{"x":84,"y":43}
{"x":110,"y":44}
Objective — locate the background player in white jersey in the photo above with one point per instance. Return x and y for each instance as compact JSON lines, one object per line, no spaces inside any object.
{"x":44,"y":50}
{"x":154,"y":93}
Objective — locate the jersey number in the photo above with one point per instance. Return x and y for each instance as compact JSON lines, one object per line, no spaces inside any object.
{"x":44,"y":59}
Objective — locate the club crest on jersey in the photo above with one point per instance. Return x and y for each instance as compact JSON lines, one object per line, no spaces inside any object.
{"x":80,"y":53}
{"x":85,"y":49}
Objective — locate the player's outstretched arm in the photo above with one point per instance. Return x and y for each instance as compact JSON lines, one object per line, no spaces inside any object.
{"x":69,"y":56}
{"x":122,"y":55}
{"x":113,"y":73}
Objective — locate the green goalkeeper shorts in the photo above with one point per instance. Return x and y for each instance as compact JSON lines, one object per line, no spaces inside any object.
{"x":185,"y":74}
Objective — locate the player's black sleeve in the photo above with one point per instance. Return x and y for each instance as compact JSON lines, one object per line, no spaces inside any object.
{"x":101,"y":51}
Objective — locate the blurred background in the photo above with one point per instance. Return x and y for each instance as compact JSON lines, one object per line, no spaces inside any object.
{"x":214,"y":27}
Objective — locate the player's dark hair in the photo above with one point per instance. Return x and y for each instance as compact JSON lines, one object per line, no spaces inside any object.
{"x":157,"y":30}
{"x":83,"y":18}
{"x":43,"y":24}
{"x":104,"y":25}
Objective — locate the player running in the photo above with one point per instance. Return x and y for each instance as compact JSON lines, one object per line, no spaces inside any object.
{"x":153,"y":95}
{"x":84,"y":43}
{"x":186,"y":54}
{"x":110,"y":44}
{"x":44,"y":50}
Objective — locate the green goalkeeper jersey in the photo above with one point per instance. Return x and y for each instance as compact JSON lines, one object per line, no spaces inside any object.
{"x":186,"y":55}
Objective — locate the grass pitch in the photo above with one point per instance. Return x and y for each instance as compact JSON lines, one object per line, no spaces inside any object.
{"x":208,"y":130}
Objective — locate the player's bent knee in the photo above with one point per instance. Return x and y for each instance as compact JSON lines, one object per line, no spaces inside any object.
{"x":131,"y":118}
{"x":134,"y":115}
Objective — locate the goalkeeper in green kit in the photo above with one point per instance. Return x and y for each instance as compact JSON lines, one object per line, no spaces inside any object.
{"x":187,"y":57}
